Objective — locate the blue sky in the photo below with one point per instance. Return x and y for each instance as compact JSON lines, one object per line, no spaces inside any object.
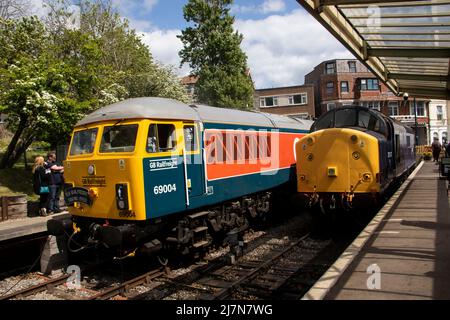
{"x":281,"y":40}
{"x":168,"y":14}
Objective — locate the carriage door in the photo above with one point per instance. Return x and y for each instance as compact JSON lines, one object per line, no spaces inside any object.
{"x":164,"y":181}
{"x":193,"y":156}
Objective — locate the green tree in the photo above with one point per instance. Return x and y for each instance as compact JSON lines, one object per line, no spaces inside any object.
{"x":212,"y":49}
{"x":35,"y":91}
{"x":52,"y":74}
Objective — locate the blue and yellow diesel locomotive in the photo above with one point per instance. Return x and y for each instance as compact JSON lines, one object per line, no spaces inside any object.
{"x":351,"y":156}
{"x":150,"y":171}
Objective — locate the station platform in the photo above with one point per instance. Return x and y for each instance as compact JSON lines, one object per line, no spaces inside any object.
{"x":403,"y":253}
{"x":18,"y":228}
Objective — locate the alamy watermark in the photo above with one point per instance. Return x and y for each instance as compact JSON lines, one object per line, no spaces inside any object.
{"x":374,"y":280}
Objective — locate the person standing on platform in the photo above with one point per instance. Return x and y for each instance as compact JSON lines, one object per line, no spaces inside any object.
{"x":436,"y":149}
{"x":56,"y":183}
{"x":41,"y":182}
{"x":447,"y":150}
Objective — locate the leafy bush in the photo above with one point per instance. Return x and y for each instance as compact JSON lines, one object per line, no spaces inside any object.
{"x":427,"y":155}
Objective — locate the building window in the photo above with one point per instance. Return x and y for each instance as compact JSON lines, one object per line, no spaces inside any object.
{"x":369,"y":84}
{"x":393,"y":108}
{"x":374,"y":105}
{"x":352,"y":66}
{"x":420,"y":107}
{"x":444,"y":137}
{"x":331,"y":106}
{"x":344,"y":86}
{"x":439,"y":112}
{"x":268,"y":102}
{"x":298,"y":99}
{"x":330,"y":68}
{"x":330,"y":87}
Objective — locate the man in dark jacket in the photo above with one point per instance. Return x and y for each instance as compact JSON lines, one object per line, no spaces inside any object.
{"x":436,"y":149}
{"x":56,"y":183}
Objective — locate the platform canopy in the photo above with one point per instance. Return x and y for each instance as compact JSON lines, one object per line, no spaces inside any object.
{"x":404,"y":43}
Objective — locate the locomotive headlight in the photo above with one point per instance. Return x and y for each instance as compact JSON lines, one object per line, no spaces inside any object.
{"x":356,"y":155}
{"x":91,"y":169}
{"x":354,"y":138}
{"x":122,"y":196}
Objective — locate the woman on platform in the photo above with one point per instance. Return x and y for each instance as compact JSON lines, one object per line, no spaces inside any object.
{"x":41,"y":181}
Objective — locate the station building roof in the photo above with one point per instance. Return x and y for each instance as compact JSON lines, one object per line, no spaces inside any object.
{"x":404,"y":43}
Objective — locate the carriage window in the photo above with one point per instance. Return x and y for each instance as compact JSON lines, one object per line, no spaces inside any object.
{"x":119,"y":138}
{"x":190,"y":138}
{"x":161,"y":138}
{"x":345,"y":118}
{"x":83,"y":141}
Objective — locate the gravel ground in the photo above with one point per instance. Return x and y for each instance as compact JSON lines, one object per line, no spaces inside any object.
{"x":20,"y":282}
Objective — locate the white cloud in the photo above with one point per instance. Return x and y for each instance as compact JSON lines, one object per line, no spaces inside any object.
{"x":268,"y":6}
{"x":37,"y":8}
{"x":281,"y":49}
{"x":164,"y":46}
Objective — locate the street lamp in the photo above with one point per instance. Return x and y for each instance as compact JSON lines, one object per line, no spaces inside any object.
{"x":416,"y":136}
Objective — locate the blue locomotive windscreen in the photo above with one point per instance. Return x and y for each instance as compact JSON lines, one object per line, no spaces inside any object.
{"x":119,"y":138}
{"x":83,"y":141}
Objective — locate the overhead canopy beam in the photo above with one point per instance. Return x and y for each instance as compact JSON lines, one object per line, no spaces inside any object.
{"x":428,"y":92}
{"x":420,"y":77}
{"x":410,"y":53}
{"x":402,"y":15}
{"x":361,"y":2}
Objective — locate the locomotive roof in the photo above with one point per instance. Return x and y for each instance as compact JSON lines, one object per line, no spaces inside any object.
{"x":169,"y":109}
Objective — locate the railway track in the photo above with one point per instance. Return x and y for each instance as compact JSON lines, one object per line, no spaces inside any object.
{"x":281,"y":263}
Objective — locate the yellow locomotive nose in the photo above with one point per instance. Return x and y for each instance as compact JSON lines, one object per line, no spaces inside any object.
{"x":339,"y":160}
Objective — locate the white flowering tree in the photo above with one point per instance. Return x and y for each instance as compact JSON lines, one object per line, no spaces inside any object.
{"x":53,"y":73}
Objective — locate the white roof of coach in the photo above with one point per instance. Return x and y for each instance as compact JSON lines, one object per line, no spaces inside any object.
{"x":163,"y":108}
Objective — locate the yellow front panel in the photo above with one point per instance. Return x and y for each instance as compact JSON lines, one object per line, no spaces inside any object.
{"x":110,"y":169}
{"x":331,"y":161}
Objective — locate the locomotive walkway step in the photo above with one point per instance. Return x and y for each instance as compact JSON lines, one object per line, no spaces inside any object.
{"x":404,"y":252}
{"x":200,"y":229}
{"x":199,"y":244}
{"x":198,"y":214}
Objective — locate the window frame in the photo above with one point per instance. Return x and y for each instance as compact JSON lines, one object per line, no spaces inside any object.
{"x":303,"y":99}
{"x":328,"y":88}
{"x":263,"y":102}
{"x":100,"y":152}
{"x":396,"y":108}
{"x":196,"y":136}
{"x":423,"y":108}
{"x":332,"y":68}
{"x":94,"y":149}
{"x":178,"y":147}
{"x":364,"y":84}
{"x":348,"y":89}
{"x":350,"y":64}
{"x":439,"y":114}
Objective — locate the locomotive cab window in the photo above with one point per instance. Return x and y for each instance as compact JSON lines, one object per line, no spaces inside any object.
{"x":190,"y":138}
{"x":119,"y":138}
{"x":83,"y":141}
{"x":161,"y":138}
{"x":345,"y":118}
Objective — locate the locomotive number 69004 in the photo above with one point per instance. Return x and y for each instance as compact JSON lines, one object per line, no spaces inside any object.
{"x":165,"y":188}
